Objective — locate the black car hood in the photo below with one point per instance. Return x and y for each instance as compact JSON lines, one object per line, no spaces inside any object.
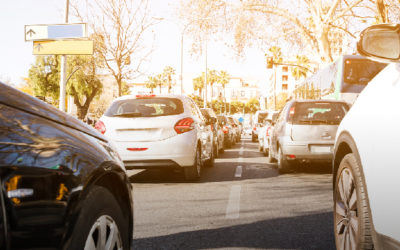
{"x":19,"y":100}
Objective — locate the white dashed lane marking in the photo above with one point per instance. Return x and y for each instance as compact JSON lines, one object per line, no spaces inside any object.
{"x":239,"y":170}
{"x":233,"y":208}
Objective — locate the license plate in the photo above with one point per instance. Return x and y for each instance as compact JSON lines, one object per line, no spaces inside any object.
{"x":321,"y":149}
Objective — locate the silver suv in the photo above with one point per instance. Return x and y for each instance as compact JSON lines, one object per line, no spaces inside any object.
{"x":305,"y":132}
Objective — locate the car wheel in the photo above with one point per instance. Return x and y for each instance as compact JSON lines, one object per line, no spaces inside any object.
{"x":221,"y":150}
{"x":260,"y":148}
{"x":228,"y":143}
{"x":193,"y":172}
{"x":216,"y":150}
{"x":351,"y":209}
{"x":210,"y":162}
{"x":100,"y":224}
{"x":283,"y":164}
{"x":266,"y":151}
{"x":253,"y":138}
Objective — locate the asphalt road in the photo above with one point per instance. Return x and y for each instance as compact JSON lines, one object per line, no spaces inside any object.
{"x":247,"y":207}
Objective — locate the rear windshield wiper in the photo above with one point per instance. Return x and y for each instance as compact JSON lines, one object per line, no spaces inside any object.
{"x":131,"y":114}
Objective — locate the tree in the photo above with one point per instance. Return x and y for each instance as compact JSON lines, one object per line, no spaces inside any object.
{"x":252,"y":106}
{"x":45,"y":77}
{"x":212,"y":77}
{"x":83,"y":84}
{"x":119,"y":31}
{"x":276,"y":54}
{"x":167,"y":75}
{"x":152,"y":83}
{"x":198,"y":83}
{"x":299,"y":72}
{"x":223,"y":79}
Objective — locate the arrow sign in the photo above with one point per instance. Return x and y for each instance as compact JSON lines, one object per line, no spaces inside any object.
{"x":42,"y":32}
{"x":66,"y":47}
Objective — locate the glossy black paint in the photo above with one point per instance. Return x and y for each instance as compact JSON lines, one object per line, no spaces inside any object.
{"x":48,"y":162}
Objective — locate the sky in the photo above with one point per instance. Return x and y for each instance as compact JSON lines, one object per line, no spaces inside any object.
{"x":16,"y":54}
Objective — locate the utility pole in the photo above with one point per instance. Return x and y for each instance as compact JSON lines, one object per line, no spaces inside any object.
{"x":205,"y":81}
{"x":63,"y":72}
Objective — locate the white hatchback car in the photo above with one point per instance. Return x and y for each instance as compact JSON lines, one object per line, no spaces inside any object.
{"x":366,"y":166}
{"x":264,"y":133}
{"x":159,"y":131}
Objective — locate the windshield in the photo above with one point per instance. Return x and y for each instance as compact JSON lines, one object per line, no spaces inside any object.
{"x":145,"y":107}
{"x":319,"y":113}
{"x":358,"y":72}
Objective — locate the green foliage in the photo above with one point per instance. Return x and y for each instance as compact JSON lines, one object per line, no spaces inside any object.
{"x":199,"y":101}
{"x":198,"y":83}
{"x":167,"y":75}
{"x":252,"y":106}
{"x":44,"y":77}
{"x":152,"y":83}
{"x":299,"y":72}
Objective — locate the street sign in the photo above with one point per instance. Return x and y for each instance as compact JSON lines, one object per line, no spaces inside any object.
{"x":42,"y":32}
{"x":64,"y":47}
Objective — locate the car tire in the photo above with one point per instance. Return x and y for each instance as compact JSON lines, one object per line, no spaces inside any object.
{"x":351,"y":206}
{"x":210,"y":162}
{"x":216,"y":150}
{"x":221,"y":150}
{"x":228,"y":143}
{"x":266,"y":151}
{"x":100,"y":210}
{"x":283,"y":165}
{"x":253,"y":137}
{"x":193,"y":172}
{"x":260,"y":148}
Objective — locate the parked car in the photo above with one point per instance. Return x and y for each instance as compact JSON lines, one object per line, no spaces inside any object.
{"x":236,"y":128}
{"x":159,"y":131}
{"x":229,"y":136}
{"x":63,"y":185}
{"x":305,"y":132}
{"x":218,"y":134}
{"x":366,"y":155}
{"x":258,"y":119}
{"x":265,"y":132}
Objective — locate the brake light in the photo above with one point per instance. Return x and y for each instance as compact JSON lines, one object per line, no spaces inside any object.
{"x":268,"y":131}
{"x":137,"y":149}
{"x":291,"y":156}
{"x":100,"y":127}
{"x":254,"y":128}
{"x":184,"y":125}
{"x":291,"y":112}
{"x":145,"y":96}
{"x":225,"y":129}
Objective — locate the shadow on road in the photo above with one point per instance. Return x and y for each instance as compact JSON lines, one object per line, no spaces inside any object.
{"x":302,"y":232}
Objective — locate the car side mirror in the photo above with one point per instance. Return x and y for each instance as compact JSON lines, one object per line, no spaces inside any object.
{"x":380,"y":41}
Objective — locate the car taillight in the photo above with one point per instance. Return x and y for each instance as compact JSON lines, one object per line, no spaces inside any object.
{"x":225,"y":129}
{"x":145,"y":96}
{"x":184,"y":125}
{"x":254,"y":128}
{"x":268,"y":131}
{"x":100,"y":127}
{"x":137,"y":149}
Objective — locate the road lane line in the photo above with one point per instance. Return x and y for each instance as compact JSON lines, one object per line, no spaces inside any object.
{"x":240,"y":159}
{"x":239,"y":170}
{"x":240,"y":152}
{"x":233,"y":208}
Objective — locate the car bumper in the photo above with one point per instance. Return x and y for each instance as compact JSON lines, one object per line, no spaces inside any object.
{"x":315,"y":152}
{"x":176,"y":151}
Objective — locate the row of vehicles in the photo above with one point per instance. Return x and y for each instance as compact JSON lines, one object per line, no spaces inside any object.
{"x":64,"y":185}
{"x":167,"y":132}
{"x":356,"y":134}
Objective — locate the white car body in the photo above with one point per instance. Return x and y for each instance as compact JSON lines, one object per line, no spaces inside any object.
{"x":371,"y":130}
{"x":152,"y":142}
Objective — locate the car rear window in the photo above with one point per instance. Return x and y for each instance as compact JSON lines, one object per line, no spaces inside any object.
{"x":318,"y":113}
{"x":145,"y":107}
{"x":261,"y":117}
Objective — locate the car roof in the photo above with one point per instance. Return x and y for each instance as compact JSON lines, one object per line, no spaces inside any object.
{"x":127,"y":97}
{"x":12,"y":97}
{"x":319,"y":100}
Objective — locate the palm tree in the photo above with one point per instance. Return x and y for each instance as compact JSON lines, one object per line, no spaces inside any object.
{"x":152,"y":83}
{"x":212,"y":78}
{"x":223,"y":79}
{"x":198,"y":84}
{"x":167,"y":75}
{"x":276,"y":54}
{"x":299,"y":72}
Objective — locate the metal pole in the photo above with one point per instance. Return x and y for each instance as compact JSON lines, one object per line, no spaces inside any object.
{"x":274,"y":87}
{"x":205,"y":81}
{"x":182,"y":64}
{"x":63,"y":67}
